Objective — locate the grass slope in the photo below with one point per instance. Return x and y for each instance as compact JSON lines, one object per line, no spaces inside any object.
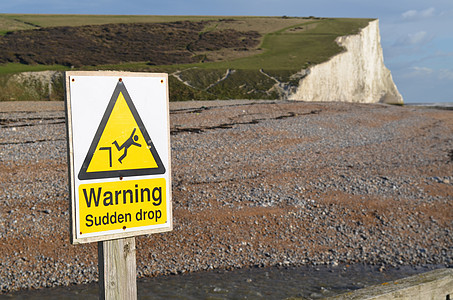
{"x":288,"y":45}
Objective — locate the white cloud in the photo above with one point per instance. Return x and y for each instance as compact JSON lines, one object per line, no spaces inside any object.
{"x":423,"y":14}
{"x":428,"y":13}
{"x":417,"y":72}
{"x":425,"y":73}
{"x":417,"y":38}
{"x":409,"y":14}
{"x":420,"y":71}
{"x":414,"y":39}
{"x":445,"y":74}
{"x":423,"y":69}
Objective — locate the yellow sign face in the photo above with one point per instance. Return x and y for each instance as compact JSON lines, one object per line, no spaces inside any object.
{"x":121,"y":205}
{"x":121,"y":146}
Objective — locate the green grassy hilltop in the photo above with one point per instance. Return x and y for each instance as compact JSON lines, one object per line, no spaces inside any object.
{"x":207,"y":57}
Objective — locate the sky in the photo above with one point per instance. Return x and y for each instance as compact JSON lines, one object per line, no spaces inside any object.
{"x":416,"y":35}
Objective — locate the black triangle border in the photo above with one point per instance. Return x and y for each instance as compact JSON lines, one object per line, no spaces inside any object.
{"x":83,"y":175}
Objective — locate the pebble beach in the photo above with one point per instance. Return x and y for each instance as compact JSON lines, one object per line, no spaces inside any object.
{"x":254,"y":184}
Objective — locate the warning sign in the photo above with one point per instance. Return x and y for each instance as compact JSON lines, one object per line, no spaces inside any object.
{"x":121,"y":146}
{"x":119,"y":160}
{"x":122,"y":205}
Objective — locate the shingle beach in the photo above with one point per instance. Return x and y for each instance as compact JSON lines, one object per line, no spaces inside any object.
{"x":255,"y":183}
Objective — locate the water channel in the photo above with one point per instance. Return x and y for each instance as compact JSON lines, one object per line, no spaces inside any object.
{"x":314,"y":282}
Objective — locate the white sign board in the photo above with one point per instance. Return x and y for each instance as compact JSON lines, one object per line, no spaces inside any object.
{"x":119,"y":154}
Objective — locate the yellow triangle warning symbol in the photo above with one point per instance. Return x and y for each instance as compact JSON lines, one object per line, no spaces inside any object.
{"x":121,"y":146}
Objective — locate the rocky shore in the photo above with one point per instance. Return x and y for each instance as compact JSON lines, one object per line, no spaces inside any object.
{"x":254,"y":184}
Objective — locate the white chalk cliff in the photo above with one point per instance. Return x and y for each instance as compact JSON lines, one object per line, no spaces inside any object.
{"x":358,"y":74}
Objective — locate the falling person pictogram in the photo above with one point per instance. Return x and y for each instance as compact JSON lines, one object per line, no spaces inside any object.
{"x":131,"y":141}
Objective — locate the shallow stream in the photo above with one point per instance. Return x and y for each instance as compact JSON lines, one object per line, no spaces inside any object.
{"x":255,"y":283}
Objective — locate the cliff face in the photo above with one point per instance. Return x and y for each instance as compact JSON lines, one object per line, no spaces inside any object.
{"x":356,"y":75}
{"x":32,"y":86}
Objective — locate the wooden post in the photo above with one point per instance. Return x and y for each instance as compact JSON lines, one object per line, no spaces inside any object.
{"x":117,"y":269}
